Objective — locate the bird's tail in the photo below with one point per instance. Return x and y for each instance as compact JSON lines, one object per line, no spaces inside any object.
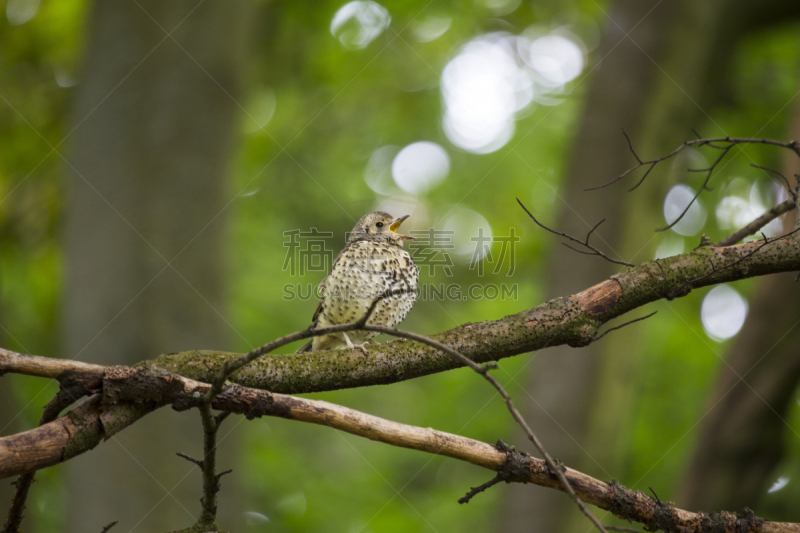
{"x":306,"y":347}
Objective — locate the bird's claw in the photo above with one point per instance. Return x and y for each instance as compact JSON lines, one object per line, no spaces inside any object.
{"x":352,"y":346}
{"x":362,"y":348}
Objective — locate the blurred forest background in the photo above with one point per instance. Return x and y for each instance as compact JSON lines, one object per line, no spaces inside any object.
{"x":157,"y":159}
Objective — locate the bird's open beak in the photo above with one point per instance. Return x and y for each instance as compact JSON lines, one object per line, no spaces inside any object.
{"x":396,"y":224}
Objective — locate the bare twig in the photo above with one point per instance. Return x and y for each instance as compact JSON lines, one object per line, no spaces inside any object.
{"x":108,"y":527}
{"x":484,"y":371}
{"x":760,"y":222}
{"x":789,"y":188}
{"x":711,"y":142}
{"x":211,"y":423}
{"x":474,"y":491}
{"x":592,"y":250}
{"x":191,"y":459}
{"x":724,"y":144}
{"x":609,"y":330}
{"x":622,"y":528}
{"x":703,"y":187}
{"x":638,"y":166}
{"x":229,"y":368}
{"x":361,"y":324}
{"x":211,"y":486}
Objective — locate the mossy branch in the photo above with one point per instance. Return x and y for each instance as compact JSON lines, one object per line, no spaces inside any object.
{"x":572,"y":320}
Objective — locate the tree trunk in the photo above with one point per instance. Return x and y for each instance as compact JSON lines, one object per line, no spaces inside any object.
{"x":154,"y":129}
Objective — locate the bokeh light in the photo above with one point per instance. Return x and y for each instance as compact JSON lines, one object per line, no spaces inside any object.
{"x":253,"y":518}
{"x":483,"y":87}
{"x":501,"y":7}
{"x":293,"y":504}
{"x":430,"y":28}
{"x":496,"y":76}
{"x":260,"y":110}
{"x":780,"y":483}
{"x":735,"y":211}
{"x":420,"y":166}
{"x":19,"y":12}
{"x":670,"y":245}
{"x":399,"y":205}
{"x":675,"y":202}
{"x":378,"y":174}
{"x":467,"y":226}
{"x":723,"y":312}
{"x":555,"y":59}
{"x":357,"y":24}
{"x":64,"y":78}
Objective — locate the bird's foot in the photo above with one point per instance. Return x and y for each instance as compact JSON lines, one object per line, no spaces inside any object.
{"x":352,"y":346}
{"x":396,"y":339}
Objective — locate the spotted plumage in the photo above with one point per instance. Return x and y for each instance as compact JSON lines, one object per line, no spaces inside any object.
{"x":372,"y":262}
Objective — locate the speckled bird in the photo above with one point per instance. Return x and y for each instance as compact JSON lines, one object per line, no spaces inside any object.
{"x":372,"y":262}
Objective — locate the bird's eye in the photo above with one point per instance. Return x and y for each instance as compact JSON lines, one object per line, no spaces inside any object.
{"x":379,"y":224}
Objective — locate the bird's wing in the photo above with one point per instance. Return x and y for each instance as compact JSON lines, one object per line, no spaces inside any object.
{"x":318,"y":310}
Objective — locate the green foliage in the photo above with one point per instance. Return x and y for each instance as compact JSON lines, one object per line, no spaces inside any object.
{"x":324,"y":111}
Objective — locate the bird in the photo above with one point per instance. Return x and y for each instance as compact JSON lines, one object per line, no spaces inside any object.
{"x":372,"y":263}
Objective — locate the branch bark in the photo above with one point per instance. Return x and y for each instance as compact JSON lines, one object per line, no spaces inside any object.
{"x":572,"y":320}
{"x":124,"y":384}
{"x":760,"y":222}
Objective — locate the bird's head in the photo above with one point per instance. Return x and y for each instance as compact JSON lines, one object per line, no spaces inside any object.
{"x":379,"y":226}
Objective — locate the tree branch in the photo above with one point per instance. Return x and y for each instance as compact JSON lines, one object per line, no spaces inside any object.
{"x":572,"y":320}
{"x":591,"y":250}
{"x":63,"y":399}
{"x":724,"y":144}
{"x":149,"y":385}
{"x":760,"y":222}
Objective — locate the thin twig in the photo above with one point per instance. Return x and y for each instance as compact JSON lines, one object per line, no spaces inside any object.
{"x":362,"y":324}
{"x":711,"y":142}
{"x":229,"y":368}
{"x":585,"y":242}
{"x":474,"y":491}
{"x":208,"y":516}
{"x":622,"y":528}
{"x":211,"y":423}
{"x":704,"y":187}
{"x":789,"y":188}
{"x":760,"y":222}
{"x":109,"y":526}
{"x":609,"y":330}
{"x":483,"y":370}
{"x":191,"y":459}
{"x":724,"y":144}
